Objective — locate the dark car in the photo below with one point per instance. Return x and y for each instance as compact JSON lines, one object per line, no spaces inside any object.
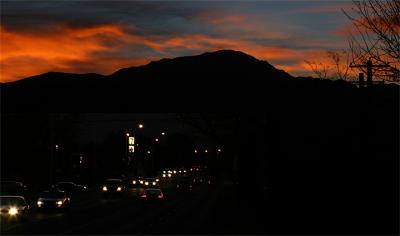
{"x":151,"y":182}
{"x":137,"y":182}
{"x":13,"y":188}
{"x":13,"y":208}
{"x":184,"y":184}
{"x":70,"y":187}
{"x":113,"y":186}
{"x":152,"y":195}
{"x":53,"y":200}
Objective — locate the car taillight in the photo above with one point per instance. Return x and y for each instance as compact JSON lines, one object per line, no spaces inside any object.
{"x":160,"y":196}
{"x":144,"y":196}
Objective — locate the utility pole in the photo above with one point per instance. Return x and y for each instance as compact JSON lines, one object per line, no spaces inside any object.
{"x":52,"y":147}
{"x":369,"y":67}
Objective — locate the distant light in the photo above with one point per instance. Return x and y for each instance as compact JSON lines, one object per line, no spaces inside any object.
{"x":219,"y":150}
{"x":206,"y":151}
{"x":195,"y":151}
{"x":164,"y":171}
{"x":134,"y":182}
{"x":148,"y":152}
{"x":164,"y":175}
{"x":127,"y":134}
{"x":169,"y":175}
{"x":174,"y":171}
{"x":140,"y":126}
{"x":163,"y":133}
{"x":156,"y":139}
{"x":57,"y":146}
{"x":119,"y":189}
{"x":104,"y":188}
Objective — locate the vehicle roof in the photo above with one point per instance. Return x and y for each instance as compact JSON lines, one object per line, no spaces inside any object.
{"x":12,"y":196}
{"x":116,"y":180}
{"x":153,"y":189}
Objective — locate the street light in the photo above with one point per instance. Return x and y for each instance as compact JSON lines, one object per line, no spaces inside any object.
{"x":140,"y":126}
{"x":163,"y":133}
{"x":127,"y":134}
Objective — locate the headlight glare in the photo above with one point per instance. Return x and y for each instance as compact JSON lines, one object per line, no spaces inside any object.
{"x":104,"y":188}
{"x":13,"y":211}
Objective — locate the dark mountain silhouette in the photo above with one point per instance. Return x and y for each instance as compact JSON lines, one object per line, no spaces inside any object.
{"x":225,"y":78}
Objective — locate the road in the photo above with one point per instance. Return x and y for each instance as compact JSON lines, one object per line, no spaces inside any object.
{"x":198,"y":211}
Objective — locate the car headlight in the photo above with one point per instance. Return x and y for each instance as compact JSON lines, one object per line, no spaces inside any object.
{"x":119,"y":189}
{"x":184,"y":171}
{"x":39,"y":203}
{"x":134,"y":182}
{"x":141,"y":181}
{"x":13,"y":211}
{"x":104,"y":188}
{"x":59,"y":203}
{"x":146,"y":183}
{"x":154,"y":183}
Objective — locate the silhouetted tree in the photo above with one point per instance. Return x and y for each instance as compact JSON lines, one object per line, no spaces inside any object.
{"x":377,"y":34}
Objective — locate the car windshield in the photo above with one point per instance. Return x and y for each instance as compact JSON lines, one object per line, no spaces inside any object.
{"x":52,"y":195}
{"x":113,"y":182}
{"x":152,"y":191}
{"x":6,"y":201}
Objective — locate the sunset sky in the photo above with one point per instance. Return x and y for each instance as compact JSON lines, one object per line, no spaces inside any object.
{"x":104,"y":36}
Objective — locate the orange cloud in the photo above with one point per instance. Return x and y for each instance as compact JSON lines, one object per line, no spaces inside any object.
{"x":25,"y":54}
{"x":97,"y":49}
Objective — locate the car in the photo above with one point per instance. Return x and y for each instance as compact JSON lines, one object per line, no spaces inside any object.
{"x":70,"y":187}
{"x":152,"y":195}
{"x":136,"y":182}
{"x":13,"y":208}
{"x":184,"y":184}
{"x":13,"y":188}
{"x":53,"y":199}
{"x":113,"y":186}
{"x":151,"y":182}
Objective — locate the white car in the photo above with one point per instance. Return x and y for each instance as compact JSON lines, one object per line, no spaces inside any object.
{"x":13,"y":207}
